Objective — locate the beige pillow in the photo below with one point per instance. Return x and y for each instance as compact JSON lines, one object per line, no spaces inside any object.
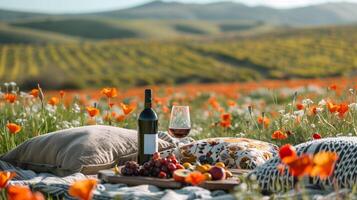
{"x":85,"y":149}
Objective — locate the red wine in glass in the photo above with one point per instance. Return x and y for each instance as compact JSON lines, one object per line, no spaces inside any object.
{"x":180,"y":122}
{"x":179,"y":132}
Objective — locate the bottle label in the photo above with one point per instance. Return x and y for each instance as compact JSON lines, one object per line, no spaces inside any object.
{"x":150,"y":144}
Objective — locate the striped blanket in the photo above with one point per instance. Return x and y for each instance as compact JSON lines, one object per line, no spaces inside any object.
{"x":57,"y":187}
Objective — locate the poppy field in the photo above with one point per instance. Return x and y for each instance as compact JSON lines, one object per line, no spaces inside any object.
{"x":276,"y":111}
{"x":280,"y":112}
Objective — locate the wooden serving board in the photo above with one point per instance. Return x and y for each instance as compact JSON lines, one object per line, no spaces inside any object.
{"x":109,"y":176}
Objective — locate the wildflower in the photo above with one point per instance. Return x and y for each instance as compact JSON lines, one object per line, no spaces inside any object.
{"x":120,"y":118}
{"x":214,"y":103}
{"x":83,"y":189}
{"x":127,"y":109}
{"x":324,"y":163}
{"x":13,"y":128}
{"x":279,"y":135}
{"x":53,"y":101}
{"x":316,"y":136}
{"x":226,"y":120}
{"x":5,"y":177}
{"x":159,"y":101}
{"x":231,"y":103}
{"x":263,"y":120}
{"x":333,"y":87}
{"x":34,"y":93}
{"x":342,"y":109}
{"x":17,"y":192}
{"x":62,"y":93}
{"x":299,"y":166}
{"x":109,"y":92}
{"x":353,"y":106}
{"x":287,"y":150}
{"x":92,"y":111}
{"x":332,"y":107}
{"x":306,"y":102}
{"x":165,"y":109}
{"x":299,"y":106}
{"x":195,"y":178}
{"x":10,"y":97}
{"x":313,"y":110}
{"x":322,"y":102}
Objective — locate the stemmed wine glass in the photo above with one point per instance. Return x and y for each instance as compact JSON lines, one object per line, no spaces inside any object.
{"x":180,"y":123}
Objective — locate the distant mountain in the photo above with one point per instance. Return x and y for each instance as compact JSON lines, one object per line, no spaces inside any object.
{"x":329,"y":13}
{"x":8,"y":15}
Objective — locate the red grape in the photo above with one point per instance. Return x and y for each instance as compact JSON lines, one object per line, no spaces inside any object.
{"x":157,"y":163}
{"x":162,"y":174}
{"x":179,"y":166}
{"x":156,"y":156}
{"x":172,"y":167}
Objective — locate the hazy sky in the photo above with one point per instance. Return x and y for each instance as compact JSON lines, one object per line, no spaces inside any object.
{"x":68,"y":6}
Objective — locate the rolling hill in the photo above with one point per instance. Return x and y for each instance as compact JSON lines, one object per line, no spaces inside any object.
{"x":322,"y":14}
{"x":296,"y":53}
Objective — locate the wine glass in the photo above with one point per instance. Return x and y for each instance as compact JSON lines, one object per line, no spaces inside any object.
{"x":180,"y":123}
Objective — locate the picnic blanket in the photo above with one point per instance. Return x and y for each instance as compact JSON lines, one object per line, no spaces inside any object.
{"x":58,"y":187}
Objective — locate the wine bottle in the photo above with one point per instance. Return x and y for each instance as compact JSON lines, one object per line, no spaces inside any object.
{"x":147,"y":130}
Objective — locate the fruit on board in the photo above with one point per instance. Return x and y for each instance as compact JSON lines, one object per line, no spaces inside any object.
{"x":180,"y":175}
{"x":218,"y":173}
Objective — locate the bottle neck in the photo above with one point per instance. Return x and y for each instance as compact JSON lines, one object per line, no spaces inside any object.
{"x":148,"y":105}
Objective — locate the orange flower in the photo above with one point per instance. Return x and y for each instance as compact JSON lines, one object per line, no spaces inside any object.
{"x":342,"y":109}
{"x":165,"y":109}
{"x":333,"y":87}
{"x":92,"y":111}
{"x":62,"y":93}
{"x":109,"y":92}
{"x":83,"y":189}
{"x":195,"y":178}
{"x":263,"y":120}
{"x":13,"y":128}
{"x":127,"y":109}
{"x":299,"y":106}
{"x":299,"y":166}
{"x":15,"y":192}
{"x":279,"y":135}
{"x":287,"y":150}
{"x":231,"y":103}
{"x":324,"y":164}
{"x":35,"y":93}
{"x":313,"y":110}
{"x":214,"y":103}
{"x":226,"y":117}
{"x":120,"y":118}
{"x":11,"y":98}
{"x":226,"y":120}
{"x":332,"y":107}
{"x":5,"y":177}
{"x":53,"y":101}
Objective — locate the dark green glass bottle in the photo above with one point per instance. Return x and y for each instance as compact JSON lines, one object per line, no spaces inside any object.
{"x":147,"y":130}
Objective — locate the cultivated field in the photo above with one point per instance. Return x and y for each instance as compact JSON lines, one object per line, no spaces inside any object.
{"x":298,"y":53}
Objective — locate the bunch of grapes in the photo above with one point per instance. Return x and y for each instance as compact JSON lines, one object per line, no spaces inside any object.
{"x":131,"y":168}
{"x":156,"y":167}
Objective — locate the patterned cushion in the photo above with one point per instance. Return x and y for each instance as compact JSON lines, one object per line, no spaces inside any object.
{"x":238,"y":153}
{"x":345,"y":173}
